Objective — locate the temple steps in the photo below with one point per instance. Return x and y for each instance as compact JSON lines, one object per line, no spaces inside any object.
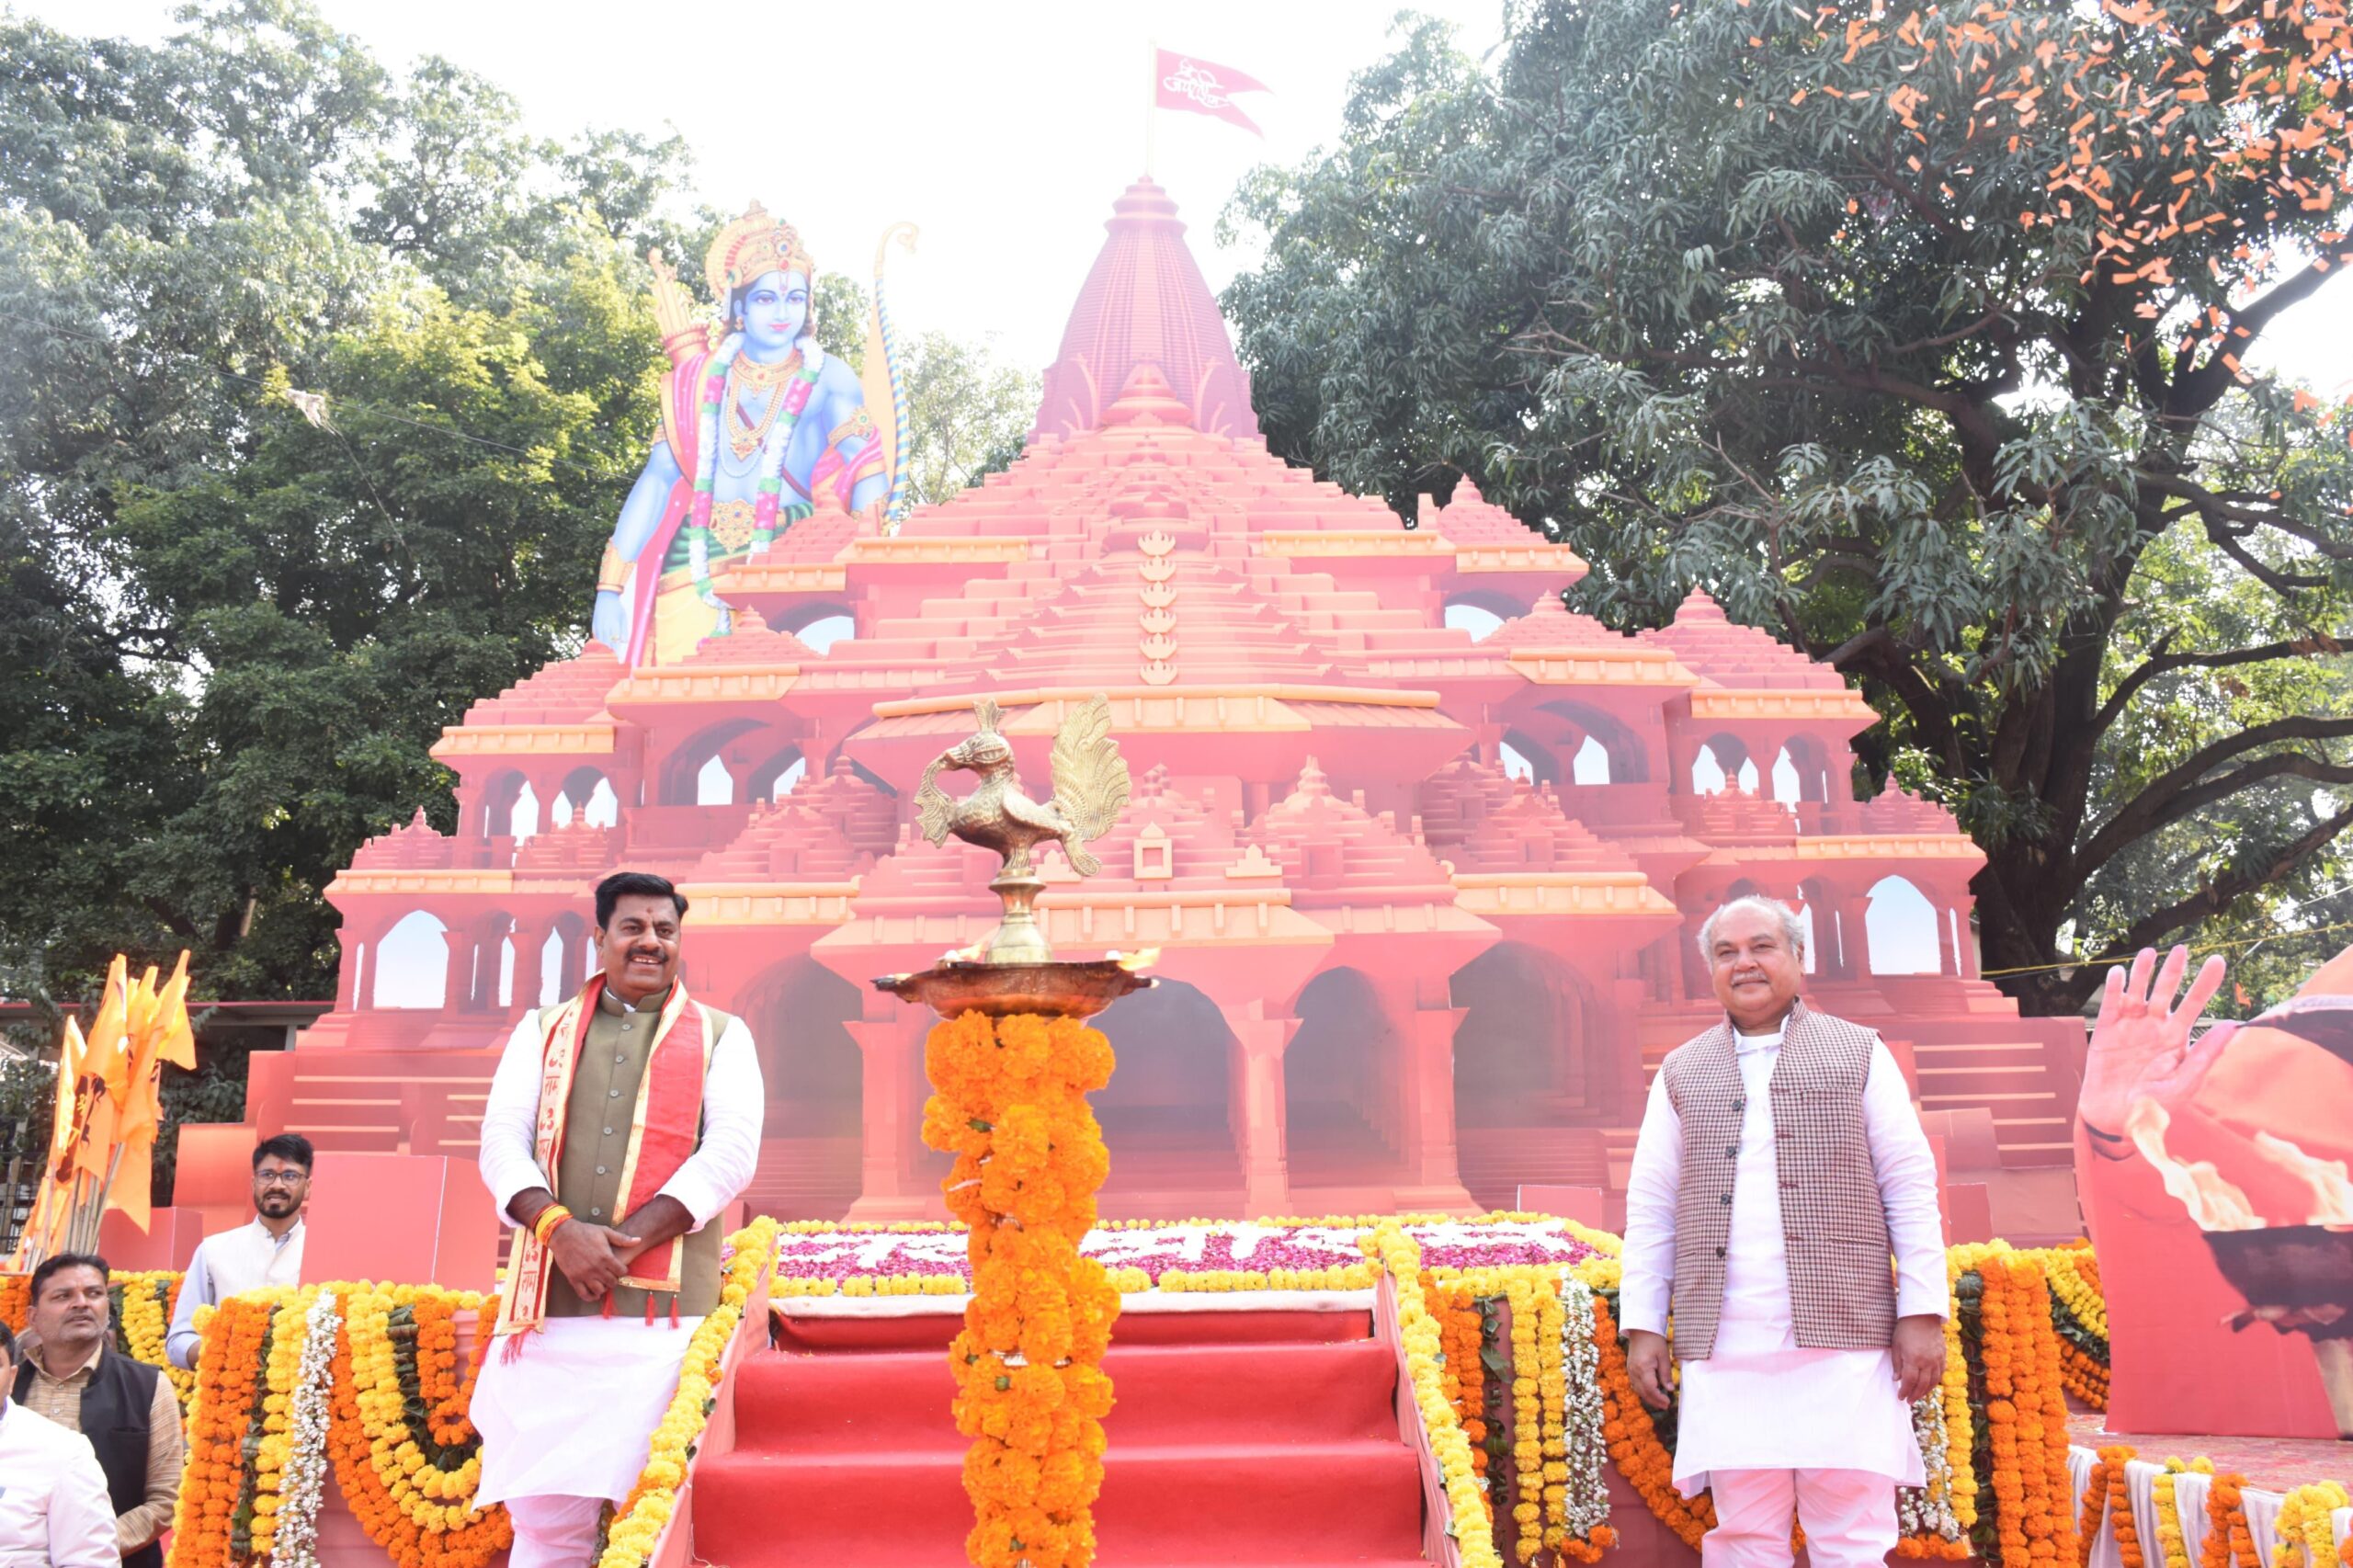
{"x":1246,"y":1439}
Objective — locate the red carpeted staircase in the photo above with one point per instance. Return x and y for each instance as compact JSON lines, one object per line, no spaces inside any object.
{"x":1243,"y":1440}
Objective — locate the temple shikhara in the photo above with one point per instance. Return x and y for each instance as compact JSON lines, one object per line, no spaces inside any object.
{"x":1425,"y":901}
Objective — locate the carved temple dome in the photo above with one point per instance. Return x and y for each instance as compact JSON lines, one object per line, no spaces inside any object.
{"x":1145,"y":303}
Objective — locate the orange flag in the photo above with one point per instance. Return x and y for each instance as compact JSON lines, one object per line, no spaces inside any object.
{"x":159,"y":1033}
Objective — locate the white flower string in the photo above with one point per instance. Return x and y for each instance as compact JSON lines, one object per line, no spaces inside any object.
{"x":300,"y":1489}
{"x":1927,"y":1510}
{"x":1588,"y":1499}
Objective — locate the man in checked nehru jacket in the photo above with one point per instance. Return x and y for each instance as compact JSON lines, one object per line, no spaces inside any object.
{"x":1779,"y":1167}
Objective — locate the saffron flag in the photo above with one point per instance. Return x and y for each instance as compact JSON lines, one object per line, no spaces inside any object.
{"x":1202,"y":86}
{"x":159,"y":1032}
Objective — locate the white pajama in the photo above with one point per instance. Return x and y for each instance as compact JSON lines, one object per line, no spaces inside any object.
{"x":554,"y":1531}
{"x":1772,"y":1424}
{"x":1849,"y":1515}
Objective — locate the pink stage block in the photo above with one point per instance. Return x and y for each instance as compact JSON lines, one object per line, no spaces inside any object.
{"x":168,"y":1242}
{"x":1585,"y":1205}
{"x":416,"y":1219}
{"x":1969,"y":1212}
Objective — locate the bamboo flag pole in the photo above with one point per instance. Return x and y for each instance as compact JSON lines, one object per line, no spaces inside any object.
{"x":1151,"y":102}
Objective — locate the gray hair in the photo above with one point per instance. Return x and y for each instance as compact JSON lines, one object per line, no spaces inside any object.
{"x":1793,"y":924}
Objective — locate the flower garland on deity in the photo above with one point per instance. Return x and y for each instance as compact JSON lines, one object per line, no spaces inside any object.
{"x":411,"y":1481}
{"x":635,"y":1530}
{"x":2306,"y":1532}
{"x":1424,"y":1343}
{"x":1010,"y":1103}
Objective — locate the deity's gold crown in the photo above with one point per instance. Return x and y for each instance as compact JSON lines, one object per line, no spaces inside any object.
{"x":752,"y":246}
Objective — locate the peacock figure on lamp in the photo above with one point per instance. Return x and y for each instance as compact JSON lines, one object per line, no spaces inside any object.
{"x":1011,"y":1065}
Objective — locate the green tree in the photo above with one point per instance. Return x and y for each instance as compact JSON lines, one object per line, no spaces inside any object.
{"x":1919,"y":342}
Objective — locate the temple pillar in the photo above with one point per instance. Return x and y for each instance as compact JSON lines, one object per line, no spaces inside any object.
{"x":358,"y":947}
{"x":464,"y":968}
{"x":1853,"y":932}
{"x":530,"y":954}
{"x":1423,"y":1013}
{"x":890,"y":1048}
{"x":1258,"y":1135}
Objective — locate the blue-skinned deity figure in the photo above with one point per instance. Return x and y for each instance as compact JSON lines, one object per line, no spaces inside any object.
{"x":759,"y":424}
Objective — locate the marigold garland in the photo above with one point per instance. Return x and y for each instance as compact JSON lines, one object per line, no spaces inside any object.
{"x":2173,"y":1543}
{"x":212,"y":1521}
{"x":1010,"y":1104}
{"x":2305,"y":1533}
{"x":1424,"y":1347}
{"x":2230,"y":1542}
{"x":412,"y":1489}
{"x":1646,"y":1462}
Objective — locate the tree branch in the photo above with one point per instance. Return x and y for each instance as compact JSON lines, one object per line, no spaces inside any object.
{"x":2161,"y":663}
{"x":2184,"y":787}
{"x":2225,"y":890}
{"x":2195,"y":390}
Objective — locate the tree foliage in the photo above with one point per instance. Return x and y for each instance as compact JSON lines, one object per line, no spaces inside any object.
{"x":230,"y":629}
{"x":1919,"y":338}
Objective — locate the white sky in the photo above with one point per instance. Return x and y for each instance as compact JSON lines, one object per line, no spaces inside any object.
{"x":1005,"y":130}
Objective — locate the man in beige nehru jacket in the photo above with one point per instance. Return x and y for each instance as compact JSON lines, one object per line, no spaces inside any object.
{"x":1779,"y":1167}
{"x":620,"y":1124}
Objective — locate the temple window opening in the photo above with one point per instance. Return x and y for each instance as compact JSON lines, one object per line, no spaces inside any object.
{"x":551,"y":975}
{"x":1591,"y":764}
{"x":413,"y":964}
{"x":1900,"y":927}
{"x":523,"y":816}
{"x":826,"y":631}
{"x":782,"y":781}
{"x":604,"y":808}
{"x":714,"y":786}
{"x":506,"y":971}
{"x":1787,"y":787}
{"x":1473,"y":618}
{"x":1516,"y":766}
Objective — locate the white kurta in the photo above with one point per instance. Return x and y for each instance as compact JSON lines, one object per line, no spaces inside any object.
{"x":1759,"y":1400}
{"x":574,"y":1413}
{"x":54,"y":1512}
{"x":226,"y":1265}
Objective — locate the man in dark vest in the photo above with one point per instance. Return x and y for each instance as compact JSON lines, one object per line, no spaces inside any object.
{"x":1779,"y":1168}
{"x":76,"y":1377}
{"x":620,"y":1125}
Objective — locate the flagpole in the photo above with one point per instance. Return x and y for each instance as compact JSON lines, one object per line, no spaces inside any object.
{"x":1151,"y":101}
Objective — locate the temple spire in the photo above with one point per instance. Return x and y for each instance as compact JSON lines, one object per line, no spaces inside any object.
{"x":1145,"y":303}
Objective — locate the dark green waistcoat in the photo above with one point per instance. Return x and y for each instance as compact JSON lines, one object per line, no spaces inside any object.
{"x":595,"y":1146}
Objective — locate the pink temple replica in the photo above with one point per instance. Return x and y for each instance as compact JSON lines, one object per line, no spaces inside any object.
{"x":1424,"y":903}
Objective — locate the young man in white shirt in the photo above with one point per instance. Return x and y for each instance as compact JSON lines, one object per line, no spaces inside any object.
{"x":54,"y":1511}
{"x":266,"y":1251}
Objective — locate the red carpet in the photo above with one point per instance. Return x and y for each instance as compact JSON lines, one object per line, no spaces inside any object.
{"x":1244,"y":1439}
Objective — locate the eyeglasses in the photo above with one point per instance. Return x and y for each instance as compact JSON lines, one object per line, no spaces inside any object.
{"x":280,"y":1178}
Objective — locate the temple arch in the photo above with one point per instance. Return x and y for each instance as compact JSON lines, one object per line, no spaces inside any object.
{"x":820,"y":625}
{"x":814,"y":1075}
{"x":412,"y":962}
{"x":1900,"y":929}
{"x":1723,"y":763}
{"x":1583,"y":727}
{"x":714,"y":786}
{"x":684,"y":771}
{"x":1170,"y":1112}
{"x":1524,"y":759}
{"x":1339,"y":1080}
{"x":586,"y":796}
{"x":1529,"y":1065}
{"x":778,"y":774}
